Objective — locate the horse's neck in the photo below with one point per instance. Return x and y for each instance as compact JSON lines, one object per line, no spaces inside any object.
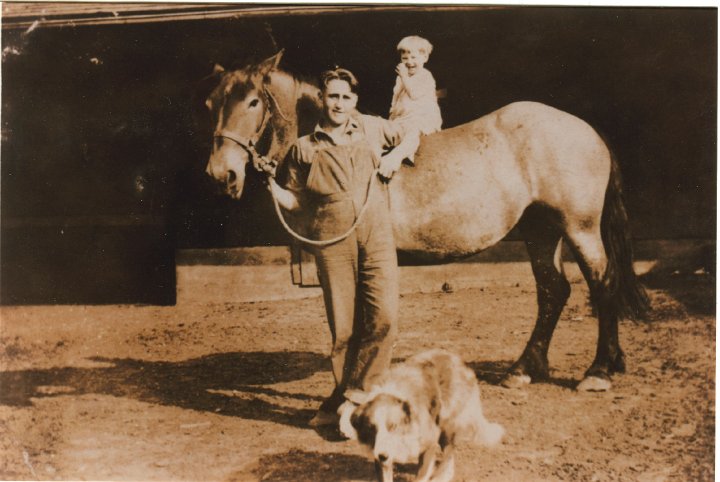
{"x":308,"y":108}
{"x":299,"y":109}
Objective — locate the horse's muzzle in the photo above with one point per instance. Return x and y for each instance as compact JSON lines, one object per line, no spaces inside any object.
{"x":232,"y":186}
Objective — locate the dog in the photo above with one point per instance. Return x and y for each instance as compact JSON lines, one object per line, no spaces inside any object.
{"x":416,"y":412}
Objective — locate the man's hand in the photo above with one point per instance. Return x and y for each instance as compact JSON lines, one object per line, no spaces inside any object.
{"x":287,"y":199}
{"x":263,"y":164}
{"x":389,"y":165}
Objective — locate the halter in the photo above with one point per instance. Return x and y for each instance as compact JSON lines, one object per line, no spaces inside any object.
{"x":250,"y":143}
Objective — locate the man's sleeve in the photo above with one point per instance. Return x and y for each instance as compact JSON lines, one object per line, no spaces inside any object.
{"x":295,"y":170}
{"x":389,"y":133}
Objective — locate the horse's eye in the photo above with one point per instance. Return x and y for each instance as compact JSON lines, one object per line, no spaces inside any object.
{"x":254,"y":103}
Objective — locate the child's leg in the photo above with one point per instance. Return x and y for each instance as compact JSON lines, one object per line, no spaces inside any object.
{"x":410,"y":144}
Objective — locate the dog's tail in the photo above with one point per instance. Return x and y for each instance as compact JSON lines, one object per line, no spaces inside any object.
{"x":488,"y":433}
{"x":477,"y":427}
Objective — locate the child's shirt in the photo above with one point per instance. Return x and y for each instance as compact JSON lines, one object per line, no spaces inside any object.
{"x":421,"y":112}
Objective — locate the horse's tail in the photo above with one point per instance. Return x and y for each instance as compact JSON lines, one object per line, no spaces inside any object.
{"x":629,"y":297}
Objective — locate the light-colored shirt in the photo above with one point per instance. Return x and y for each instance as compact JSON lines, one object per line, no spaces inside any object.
{"x":420,"y":111}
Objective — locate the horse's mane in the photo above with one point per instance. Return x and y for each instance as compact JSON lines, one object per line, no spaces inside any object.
{"x":301,"y":77}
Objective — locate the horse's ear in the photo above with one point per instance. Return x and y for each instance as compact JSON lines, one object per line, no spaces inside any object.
{"x":218,"y":69}
{"x":270,"y":64}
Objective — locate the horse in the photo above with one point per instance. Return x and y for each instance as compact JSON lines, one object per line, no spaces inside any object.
{"x":525,"y":164}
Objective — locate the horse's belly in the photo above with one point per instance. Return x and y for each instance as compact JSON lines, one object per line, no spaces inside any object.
{"x":468,"y":215}
{"x":451,"y":235}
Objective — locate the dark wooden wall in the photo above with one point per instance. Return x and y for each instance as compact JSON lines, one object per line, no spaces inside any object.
{"x":104,"y":139}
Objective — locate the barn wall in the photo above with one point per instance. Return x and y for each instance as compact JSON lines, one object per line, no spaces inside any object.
{"x":103,"y":125}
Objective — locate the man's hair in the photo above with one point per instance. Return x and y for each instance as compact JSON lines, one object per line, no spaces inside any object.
{"x":413,"y":42}
{"x":338,"y":74}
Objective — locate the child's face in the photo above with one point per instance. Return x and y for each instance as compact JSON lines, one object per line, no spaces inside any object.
{"x":413,"y":60}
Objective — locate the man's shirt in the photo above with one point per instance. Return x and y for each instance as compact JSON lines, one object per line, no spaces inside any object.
{"x":322,"y":165}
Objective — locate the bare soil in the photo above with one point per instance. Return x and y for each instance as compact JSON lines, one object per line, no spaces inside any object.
{"x":223,"y":391}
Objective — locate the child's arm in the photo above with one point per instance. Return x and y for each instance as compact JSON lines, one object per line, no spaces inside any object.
{"x":418,"y":85}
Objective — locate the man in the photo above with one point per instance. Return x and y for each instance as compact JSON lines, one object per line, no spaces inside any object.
{"x":330,"y":175}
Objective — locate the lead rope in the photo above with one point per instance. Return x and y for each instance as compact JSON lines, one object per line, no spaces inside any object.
{"x":268,"y":167}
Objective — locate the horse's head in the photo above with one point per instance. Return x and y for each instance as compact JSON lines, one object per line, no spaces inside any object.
{"x":240,"y":110}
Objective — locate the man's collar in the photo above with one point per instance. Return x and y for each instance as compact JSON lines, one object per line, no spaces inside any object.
{"x":351,"y":126}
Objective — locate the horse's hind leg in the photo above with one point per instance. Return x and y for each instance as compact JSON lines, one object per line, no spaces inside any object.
{"x":609,"y":358}
{"x":543,"y":239}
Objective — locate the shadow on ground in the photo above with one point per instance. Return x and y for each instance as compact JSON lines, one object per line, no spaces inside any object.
{"x":688,"y":276}
{"x":232,"y":384}
{"x":302,"y":466}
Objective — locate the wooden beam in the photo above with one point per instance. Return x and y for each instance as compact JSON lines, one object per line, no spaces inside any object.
{"x":24,"y":15}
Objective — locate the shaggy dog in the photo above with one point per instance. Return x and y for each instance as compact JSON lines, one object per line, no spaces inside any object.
{"x":416,"y":412}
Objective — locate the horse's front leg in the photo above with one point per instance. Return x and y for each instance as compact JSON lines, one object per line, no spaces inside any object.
{"x":544,"y":244}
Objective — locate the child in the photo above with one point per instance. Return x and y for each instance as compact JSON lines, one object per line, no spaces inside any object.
{"x":414,"y":102}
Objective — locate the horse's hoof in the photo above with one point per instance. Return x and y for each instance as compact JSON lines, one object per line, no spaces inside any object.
{"x":594,"y":384}
{"x":513,"y":380}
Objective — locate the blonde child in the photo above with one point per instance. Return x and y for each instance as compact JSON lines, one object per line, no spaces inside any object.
{"x":414,"y":102}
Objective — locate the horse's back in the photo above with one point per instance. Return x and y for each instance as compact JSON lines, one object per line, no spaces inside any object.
{"x":519,"y":121}
{"x":558,"y":158}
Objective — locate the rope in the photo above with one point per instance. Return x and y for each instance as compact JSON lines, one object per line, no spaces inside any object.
{"x":337,"y":239}
{"x":277,"y":105}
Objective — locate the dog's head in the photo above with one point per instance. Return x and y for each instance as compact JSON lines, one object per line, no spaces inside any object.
{"x":384,"y":423}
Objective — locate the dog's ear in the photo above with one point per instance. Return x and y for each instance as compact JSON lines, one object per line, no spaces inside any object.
{"x":358,"y":397}
{"x":347,"y":427}
{"x":435,"y":409}
{"x":361,"y":421}
{"x":407,"y":411}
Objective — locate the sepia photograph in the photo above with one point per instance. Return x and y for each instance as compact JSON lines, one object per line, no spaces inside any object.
{"x":325,"y":242}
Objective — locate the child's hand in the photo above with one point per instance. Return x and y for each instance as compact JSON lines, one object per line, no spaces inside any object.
{"x":401,"y":70}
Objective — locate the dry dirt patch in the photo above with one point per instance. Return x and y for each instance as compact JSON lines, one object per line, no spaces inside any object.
{"x":223,"y":391}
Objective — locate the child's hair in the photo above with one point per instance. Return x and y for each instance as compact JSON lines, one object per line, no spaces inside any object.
{"x":413,"y":42}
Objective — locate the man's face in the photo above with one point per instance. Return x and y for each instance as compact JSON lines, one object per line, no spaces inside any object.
{"x":338,"y":102}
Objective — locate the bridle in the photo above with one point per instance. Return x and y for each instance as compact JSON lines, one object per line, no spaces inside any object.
{"x":248,"y":144}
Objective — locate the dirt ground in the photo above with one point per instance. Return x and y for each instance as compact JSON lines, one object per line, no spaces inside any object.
{"x":223,"y":391}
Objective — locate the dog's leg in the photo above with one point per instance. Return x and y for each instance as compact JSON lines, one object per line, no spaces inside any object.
{"x":384,"y":471}
{"x":427,"y":464}
{"x":446,"y":469}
